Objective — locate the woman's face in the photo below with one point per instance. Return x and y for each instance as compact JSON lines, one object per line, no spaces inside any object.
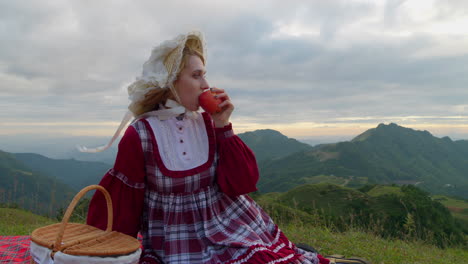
{"x":191,"y":83}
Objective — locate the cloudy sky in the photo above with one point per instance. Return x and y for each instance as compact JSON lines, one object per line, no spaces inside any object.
{"x":310,"y":69}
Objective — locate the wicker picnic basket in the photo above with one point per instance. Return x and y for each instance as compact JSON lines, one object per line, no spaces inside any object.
{"x":79,"y":243}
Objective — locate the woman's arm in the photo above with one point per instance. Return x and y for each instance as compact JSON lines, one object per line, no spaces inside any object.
{"x":126,"y":184}
{"x":237,"y":169}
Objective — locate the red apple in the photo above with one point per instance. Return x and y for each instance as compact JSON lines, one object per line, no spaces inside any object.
{"x":209,"y":103}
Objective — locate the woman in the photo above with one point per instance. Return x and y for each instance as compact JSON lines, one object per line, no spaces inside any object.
{"x":181,"y":177}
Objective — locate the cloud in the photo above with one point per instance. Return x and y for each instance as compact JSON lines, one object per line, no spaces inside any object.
{"x":282,"y":62}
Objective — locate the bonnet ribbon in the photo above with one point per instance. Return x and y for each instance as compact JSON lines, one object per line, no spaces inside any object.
{"x":172,"y":109}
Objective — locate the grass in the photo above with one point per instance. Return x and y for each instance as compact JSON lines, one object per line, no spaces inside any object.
{"x":299,"y":230}
{"x":331,"y":199}
{"x":325,"y":178}
{"x":301,"y":227}
{"x":371,"y":247}
{"x":17,"y":222}
{"x":384,"y":189}
{"x":458,"y":208}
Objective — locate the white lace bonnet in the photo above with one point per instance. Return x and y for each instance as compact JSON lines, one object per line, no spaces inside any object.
{"x":159,"y":72}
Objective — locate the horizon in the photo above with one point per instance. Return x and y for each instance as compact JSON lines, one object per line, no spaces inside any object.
{"x":64,"y":146}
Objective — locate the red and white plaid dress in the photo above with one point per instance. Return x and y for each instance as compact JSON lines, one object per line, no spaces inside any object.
{"x":183,"y":216}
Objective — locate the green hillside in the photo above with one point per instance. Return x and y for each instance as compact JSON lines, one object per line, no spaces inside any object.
{"x":17,"y":222}
{"x":384,"y":155}
{"x":77,"y":174}
{"x":329,"y":200}
{"x":310,"y":228}
{"x":399,"y":213}
{"x":372,"y":247}
{"x":34,"y":191}
{"x":43,"y":185}
{"x":379,"y":190}
{"x":458,"y":207}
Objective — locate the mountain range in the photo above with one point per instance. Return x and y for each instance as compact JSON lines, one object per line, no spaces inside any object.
{"x":387,"y":154}
{"x":31,"y":189}
{"x":75,"y":173}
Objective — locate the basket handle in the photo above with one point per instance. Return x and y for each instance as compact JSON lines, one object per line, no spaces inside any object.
{"x":71,"y":207}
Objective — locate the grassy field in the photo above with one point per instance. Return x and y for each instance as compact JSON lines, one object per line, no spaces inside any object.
{"x":371,"y":247}
{"x":301,"y":227}
{"x":16,"y":222}
{"x":325,"y":178}
{"x":458,"y":208}
{"x":351,"y":243}
{"x":383,"y":189}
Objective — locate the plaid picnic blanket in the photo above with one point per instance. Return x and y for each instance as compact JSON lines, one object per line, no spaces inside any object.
{"x":14,"y":249}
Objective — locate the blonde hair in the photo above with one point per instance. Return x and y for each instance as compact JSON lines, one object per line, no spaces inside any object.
{"x":155,"y":97}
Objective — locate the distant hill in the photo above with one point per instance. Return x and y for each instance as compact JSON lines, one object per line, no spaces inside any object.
{"x":30,"y":189}
{"x":385,"y":154}
{"x":77,"y":174}
{"x":59,"y":146}
{"x":271,"y":144}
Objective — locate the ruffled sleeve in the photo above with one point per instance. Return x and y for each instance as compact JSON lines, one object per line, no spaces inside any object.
{"x":237,"y":169}
{"x":125,"y":182}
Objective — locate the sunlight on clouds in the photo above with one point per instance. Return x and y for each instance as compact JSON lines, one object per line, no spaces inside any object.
{"x":294,"y":29}
{"x":306,"y":129}
{"x":460,"y":108}
{"x":397,"y":119}
{"x":454,"y":131}
{"x":445,"y":46}
{"x":420,"y":10}
{"x":339,"y":127}
{"x":424,"y":14}
{"x":453,"y":27}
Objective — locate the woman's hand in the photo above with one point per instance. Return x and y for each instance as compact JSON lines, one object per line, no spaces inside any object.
{"x":221,"y":119}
